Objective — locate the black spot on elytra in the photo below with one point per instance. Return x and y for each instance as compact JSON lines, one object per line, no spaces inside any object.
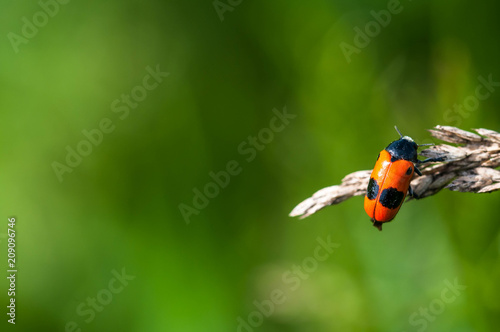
{"x":410,"y":169}
{"x":372,"y":190}
{"x":391,"y":198}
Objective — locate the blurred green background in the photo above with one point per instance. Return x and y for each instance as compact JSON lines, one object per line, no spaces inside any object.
{"x":119,"y":208}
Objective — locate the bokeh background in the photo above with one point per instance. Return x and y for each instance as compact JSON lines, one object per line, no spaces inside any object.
{"x":119,"y":208}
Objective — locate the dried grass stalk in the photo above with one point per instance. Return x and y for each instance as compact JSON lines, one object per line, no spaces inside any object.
{"x":469,"y":166}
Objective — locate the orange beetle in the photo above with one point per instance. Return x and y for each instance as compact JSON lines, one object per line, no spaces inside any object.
{"x":390,"y":179}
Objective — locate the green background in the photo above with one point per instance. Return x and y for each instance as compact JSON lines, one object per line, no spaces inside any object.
{"x":119,"y":208}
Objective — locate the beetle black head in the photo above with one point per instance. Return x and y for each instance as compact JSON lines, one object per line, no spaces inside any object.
{"x":404,"y":148}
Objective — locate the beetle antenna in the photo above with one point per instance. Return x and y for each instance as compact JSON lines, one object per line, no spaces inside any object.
{"x":396,"y":127}
{"x":427,"y":144}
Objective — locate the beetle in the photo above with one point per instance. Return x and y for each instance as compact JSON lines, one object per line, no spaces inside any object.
{"x":390,"y":179}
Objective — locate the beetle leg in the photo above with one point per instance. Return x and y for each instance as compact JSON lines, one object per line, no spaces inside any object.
{"x":412,"y":193}
{"x":430,"y":160}
{"x":377,"y":224}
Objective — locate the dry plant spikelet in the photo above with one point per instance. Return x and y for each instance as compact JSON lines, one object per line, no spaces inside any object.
{"x":468,"y":167}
